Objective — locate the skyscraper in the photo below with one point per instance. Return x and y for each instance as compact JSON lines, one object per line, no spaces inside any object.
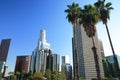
{"x":39,"y":55}
{"x":68,"y":71}
{"x":56,"y":62}
{"x":109,"y":66}
{"x":4,"y":47}
{"x":86,"y":61}
{"x":63,"y":64}
{"x":63,"y":59}
{"x":22,"y":64}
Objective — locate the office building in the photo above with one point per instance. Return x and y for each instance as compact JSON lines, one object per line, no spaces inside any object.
{"x":68,"y":71}
{"x":4,"y":47}
{"x":101,"y":49}
{"x":85,"y":56}
{"x":22,"y":64}
{"x":63,"y":64}
{"x":2,"y":63}
{"x":63,"y":59}
{"x":109,"y":67}
{"x":53,"y":62}
{"x":56,"y":62}
{"x":39,"y":56}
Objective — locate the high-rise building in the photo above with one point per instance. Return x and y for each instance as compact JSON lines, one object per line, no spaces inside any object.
{"x":85,"y":55}
{"x":109,"y":66}
{"x":4,"y":47}
{"x":68,"y":71}
{"x":22,"y":64}
{"x":56,"y":62}
{"x":63,"y":59}
{"x":101,"y":49}
{"x":66,"y":68}
{"x":53,"y":62}
{"x":39,"y":56}
{"x":63,"y":64}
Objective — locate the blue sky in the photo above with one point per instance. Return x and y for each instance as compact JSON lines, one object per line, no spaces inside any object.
{"x":22,"y":20}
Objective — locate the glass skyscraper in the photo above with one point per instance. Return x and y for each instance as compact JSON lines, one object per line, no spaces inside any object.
{"x":39,"y":55}
{"x":4,"y":47}
{"x":56,"y":62}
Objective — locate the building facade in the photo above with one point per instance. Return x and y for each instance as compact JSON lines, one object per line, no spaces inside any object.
{"x":85,"y":56}
{"x":56,"y":62}
{"x":39,"y":56}
{"x":22,"y":64}
{"x":4,"y":47}
{"x":68,"y":71}
{"x":63,"y":64}
{"x":109,"y":66}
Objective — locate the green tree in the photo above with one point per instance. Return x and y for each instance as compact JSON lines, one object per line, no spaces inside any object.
{"x":89,"y":18}
{"x":54,"y":77}
{"x":0,"y":75}
{"x":30,"y":77}
{"x":37,"y":76}
{"x":73,"y":13}
{"x":11,"y":73}
{"x":104,"y":10}
{"x":48,"y":74}
{"x":62,"y":76}
{"x":18,"y":75}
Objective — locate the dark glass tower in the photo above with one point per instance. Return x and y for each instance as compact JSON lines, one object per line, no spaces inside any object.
{"x":4,"y":47}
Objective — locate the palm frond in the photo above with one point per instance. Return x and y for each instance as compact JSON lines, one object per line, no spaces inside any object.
{"x":108,"y":4}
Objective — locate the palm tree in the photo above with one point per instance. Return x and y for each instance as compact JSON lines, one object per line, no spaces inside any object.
{"x":72,"y":16}
{"x":104,"y":10}
{"x":90,"y":16}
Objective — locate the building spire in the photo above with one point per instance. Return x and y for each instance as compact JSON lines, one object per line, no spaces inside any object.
{"x":42,"y":35}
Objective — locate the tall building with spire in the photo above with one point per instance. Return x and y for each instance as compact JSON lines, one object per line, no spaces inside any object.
{"x":85,"y":56}
{"x":39,"y":56}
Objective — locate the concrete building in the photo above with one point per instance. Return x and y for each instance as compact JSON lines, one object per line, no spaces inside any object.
{"x":22,"y":64}
{"x":85,"y":56}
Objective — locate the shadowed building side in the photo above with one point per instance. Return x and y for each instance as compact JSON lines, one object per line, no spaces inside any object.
{"x":4,"y":47}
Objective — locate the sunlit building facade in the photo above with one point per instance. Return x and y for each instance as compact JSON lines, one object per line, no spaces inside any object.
{"x":39,"y":56}
{"x":85,"y":56}
{"x":56,"y":62}
{"x":22,"y":64}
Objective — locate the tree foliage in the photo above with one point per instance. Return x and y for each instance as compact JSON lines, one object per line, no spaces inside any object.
{"x":37,"y":76}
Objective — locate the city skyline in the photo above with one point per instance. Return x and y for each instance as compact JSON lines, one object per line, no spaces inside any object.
{"x":22,"y":20}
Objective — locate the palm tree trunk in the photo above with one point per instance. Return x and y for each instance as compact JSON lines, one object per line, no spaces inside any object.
{"x":75,"y":52}
{"x":96,"y":58}
{"x":115,"y":57}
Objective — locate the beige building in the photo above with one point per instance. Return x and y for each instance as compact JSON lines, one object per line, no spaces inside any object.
{"x":86,"y":61}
